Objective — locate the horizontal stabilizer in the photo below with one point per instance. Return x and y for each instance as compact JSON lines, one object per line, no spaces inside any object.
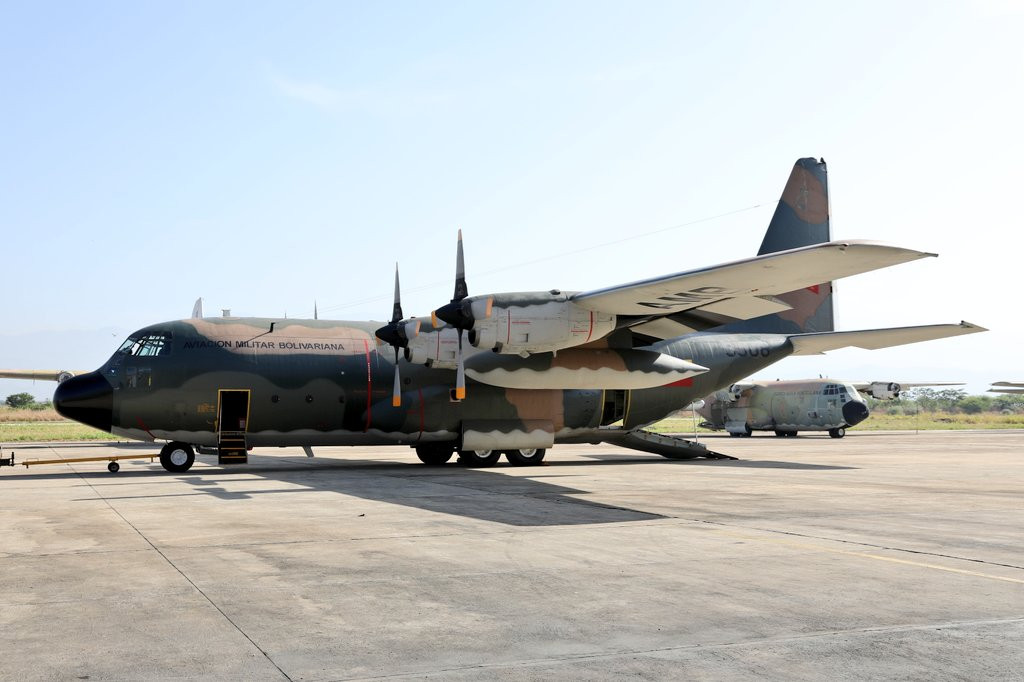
{"x":873,"y":339}
{"x":716,"y":288}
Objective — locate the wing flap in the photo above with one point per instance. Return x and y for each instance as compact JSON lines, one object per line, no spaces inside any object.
{"x":747,"y":307}
{"x":748,"y":279}
{"x":873,"y":339}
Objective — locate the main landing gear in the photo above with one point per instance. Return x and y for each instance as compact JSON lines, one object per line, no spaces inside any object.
{"x":436,"y":454}
{"x":837,"y":433}
{"x":523,"y":457}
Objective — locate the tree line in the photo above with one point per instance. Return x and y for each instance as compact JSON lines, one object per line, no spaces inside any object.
{"x":26,"y":401}
{"x":949,"y":400}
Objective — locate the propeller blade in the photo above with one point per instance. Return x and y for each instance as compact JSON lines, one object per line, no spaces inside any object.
{"x":461,"y":291}
{"x":396,"y":394}
{"x":396,"y":312}
{"x":460,"y":374}
{"x":454,"y":312}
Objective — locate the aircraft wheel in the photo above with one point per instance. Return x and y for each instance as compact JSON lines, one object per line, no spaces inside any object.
{"x":780,"y":434}
{"x":747,"y":431}
{"x":177,"y":457}
{"x":837,"y":433}
{"x":525,"y":457}
{"x":435,"y":454}
{"x":113,"y":467}
{"x":479,"y":458}
{"x":791,"y":434}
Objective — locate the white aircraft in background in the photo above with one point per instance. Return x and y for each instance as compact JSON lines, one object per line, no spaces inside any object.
{"x":787,"y":407}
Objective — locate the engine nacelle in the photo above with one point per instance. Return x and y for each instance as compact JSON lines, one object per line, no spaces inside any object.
{"x":534,"y":323}
{"x":434,"y":347}
{"x":736,"y":390}
{"x":884,"y":391}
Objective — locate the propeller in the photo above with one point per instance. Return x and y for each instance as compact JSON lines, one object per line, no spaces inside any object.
{"x":458,"y":315}
{"x":397,"y":336}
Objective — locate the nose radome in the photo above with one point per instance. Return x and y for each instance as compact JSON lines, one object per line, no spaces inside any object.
{"x":86,"y":398}
{"x":854,"y":412}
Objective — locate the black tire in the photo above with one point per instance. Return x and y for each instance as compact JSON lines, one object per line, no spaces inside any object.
{"x":479,"y":458}
{"x":780,"y":434}
{"x":177,"y":457}
{"x":526,"y":457}
{"x":747,"y":431}
{"x":837,"y":433}
{"x":791,"y":434}
{"x":435,"y":454}
{"x":113,"y":467}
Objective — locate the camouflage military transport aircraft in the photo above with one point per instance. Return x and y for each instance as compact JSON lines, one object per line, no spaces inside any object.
{"x":497,"y":374}
{"x":787,"y":407}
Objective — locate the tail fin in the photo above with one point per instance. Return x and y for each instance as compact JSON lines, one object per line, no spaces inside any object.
{"x":801,"y":219}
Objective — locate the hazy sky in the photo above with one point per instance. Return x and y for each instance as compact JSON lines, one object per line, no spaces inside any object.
{"x":266,"y":155}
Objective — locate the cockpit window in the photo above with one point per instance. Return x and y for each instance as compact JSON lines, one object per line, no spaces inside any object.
{"x":128,"y":345}
{"x":147,"y":345}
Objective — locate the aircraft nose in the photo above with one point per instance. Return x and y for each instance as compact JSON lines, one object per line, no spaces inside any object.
{"x":854,"y":412}
{"x":86,"y":398}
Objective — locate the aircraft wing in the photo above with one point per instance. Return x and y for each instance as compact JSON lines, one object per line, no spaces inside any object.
{"x":742,"y":289}
{"x":873,"y":339}
{"x":58,"y":375}
{"x":1009,"y":387}
{"x":865,"y":385}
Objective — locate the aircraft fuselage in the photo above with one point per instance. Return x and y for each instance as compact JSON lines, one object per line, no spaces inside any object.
{"x":315,"y":382}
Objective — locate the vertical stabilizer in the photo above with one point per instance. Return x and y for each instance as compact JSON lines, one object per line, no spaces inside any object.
{"x":801,"y":219}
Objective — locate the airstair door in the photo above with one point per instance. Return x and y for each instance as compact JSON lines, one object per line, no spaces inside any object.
{"x":232,"y":423}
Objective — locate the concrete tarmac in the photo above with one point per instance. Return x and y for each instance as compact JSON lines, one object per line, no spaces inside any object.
{"x":878,"y":556}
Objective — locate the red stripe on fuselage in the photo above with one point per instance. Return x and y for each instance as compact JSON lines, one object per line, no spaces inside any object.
{"x":687,"y":382}
{"x":419,"y":391}
{"x":369,"y":384}
{"x":145,"y":428}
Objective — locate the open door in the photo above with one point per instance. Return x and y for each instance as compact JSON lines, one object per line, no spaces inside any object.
{"x":232,"y":423}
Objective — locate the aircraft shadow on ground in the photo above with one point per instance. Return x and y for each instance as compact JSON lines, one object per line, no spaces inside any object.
{"x":734,"y":463}
{"x":483,"y":494}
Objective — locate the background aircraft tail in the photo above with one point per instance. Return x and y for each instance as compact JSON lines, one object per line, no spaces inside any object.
{"x":801,"y":219}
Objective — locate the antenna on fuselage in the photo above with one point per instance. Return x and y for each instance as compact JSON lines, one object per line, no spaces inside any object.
{"x":197,"y":309}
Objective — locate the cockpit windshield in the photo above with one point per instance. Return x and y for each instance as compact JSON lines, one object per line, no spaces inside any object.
{"x":844,"y":391}
{"x":147,"y":345}
{"x":837,"y":389}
